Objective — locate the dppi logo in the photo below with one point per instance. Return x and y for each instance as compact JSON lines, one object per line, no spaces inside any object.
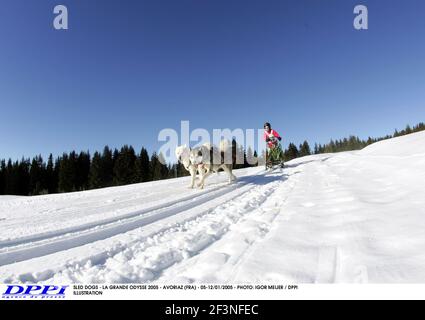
{"x":34,"y":291}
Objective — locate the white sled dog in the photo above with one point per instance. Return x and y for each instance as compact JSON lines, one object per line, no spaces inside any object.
{"x":183,"y":156}
{"x":208,"y":159}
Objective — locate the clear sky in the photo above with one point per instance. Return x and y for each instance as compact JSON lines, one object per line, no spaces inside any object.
{"x":126,"y":69}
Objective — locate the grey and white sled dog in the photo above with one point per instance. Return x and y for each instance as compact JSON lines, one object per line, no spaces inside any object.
{"x":205,"y":160}
{"x":208,"y":159}
{"x":183,"y":156}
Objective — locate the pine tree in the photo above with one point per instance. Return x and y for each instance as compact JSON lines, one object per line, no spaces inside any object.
{"x":155,"y":167}
{"x":37,"y":176}
{"x":262,"y":158}
{"x":250,"y":158}
{"x":181,"y":171}
{"x":369,"y":141}
{"x":8,"y":178}
{"x":396,"y":133}
{"x":291,"y":152}
{"x":163,"y":167}
{"x":245,"y":160}
{"x":96,"y":179}
{"x":107,"y":167}
{"x":51,"y":178}
{"x":124,"y":167}
{"x":304,"y":149}
{"x":143,"y":166}
{"x":56,"y":169}
{"x":2,"y":176}
{"x":172,"y":171}
{"x":256,"y":158}
{"x":64,"y":175}
{"x":239,"y":155}
{"x":236,"y":155}
{"x":82,"y":171}
{"x":22,"y":177}
{"x":68,"y":172}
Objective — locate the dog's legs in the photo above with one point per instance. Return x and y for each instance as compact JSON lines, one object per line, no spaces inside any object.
{"x":193,"y":176}
{"x":204,"y":175}
{"x":232,"y":177}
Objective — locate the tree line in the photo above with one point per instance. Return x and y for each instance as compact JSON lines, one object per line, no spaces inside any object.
{"x":80,"y":171}
{"x":347,"y":144}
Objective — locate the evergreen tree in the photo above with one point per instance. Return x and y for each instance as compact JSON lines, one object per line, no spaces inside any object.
{"x":172,"y":171}
{"x":9,"y":179}
{"x":82,"y":171}
{"x":22,"y":176}
{"x":235,"y":155}
{"x":56,"y":173}
{"x":164,"y":170}
{"x":124,"y":167}
{"x":369,"y":141}
{"x":155,"y":167}
{"x":107,"y":167}
{"x":245,"y":160}
{"x":250,"y":158}
{"x":181,"y":171}
{"x":37,"y":183}
{"x":143,"y":166}
{"x":51,"y":176}
{"x":419,"y":127}
{"x":68,"y":172}
{"x":96,"y":179}
{"x":291,"y":152}
{"x":262,"y":158}
{"x":255,"y":158}
{"x":238,"y":153}
{"x":2,"y":176}
{"x":304,"y":149}
{"x":329,"y":148}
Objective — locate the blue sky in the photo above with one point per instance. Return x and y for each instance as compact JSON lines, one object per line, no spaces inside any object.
{"x":127,"y":69}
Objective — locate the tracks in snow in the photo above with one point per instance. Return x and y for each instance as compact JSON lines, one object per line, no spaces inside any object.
{"x":147,"y":256}
{"x":43,"y":244}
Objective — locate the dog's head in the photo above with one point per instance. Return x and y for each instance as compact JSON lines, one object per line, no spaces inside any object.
{"x":199,"y":155}
{"x":182,"y":153}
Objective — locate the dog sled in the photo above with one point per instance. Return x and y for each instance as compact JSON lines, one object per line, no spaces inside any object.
{"x":274,"y":155}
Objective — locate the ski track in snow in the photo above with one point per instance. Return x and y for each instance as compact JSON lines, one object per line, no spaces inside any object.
{"x":201,"y":225}
{"x":38,"y":245}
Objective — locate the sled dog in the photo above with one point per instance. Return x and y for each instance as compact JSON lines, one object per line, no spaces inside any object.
{"x":208,"y":159}
{"x":183,"y":155}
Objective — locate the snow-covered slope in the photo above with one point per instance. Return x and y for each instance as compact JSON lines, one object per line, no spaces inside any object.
{"x":348,"y":217}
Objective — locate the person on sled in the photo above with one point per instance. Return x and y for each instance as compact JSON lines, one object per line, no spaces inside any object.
{"x":274,"y":154}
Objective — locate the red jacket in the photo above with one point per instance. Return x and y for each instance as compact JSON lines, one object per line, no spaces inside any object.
{"x":269,"y":135}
